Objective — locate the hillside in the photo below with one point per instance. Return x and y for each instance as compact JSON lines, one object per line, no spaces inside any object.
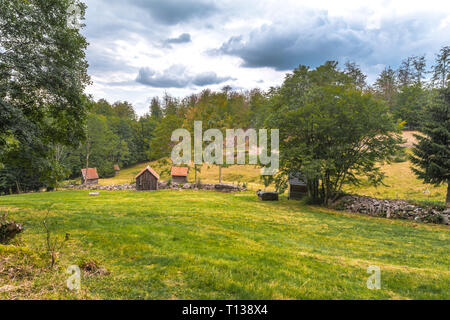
{"x":400,"y":182}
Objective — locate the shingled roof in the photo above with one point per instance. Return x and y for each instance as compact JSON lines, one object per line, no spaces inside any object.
{"x":92,"y":173}
{"x":149,"y":169}
{"x":180,"y":171}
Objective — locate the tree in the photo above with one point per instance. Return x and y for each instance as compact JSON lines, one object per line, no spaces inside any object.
{"x":386,"y":85}
{"x":330,"y":131}
{"x":405,"y":72}
{"x":431,"y":154}
{"x":155,"y":109}
{"x":355,"y":73}
{"x":43,"y":73}
{"x":441,"y":70}
{"x":410,"y":103}
{"x":170,"y":105}
{"x":412,"y":71}
{"x":124,"y":110}
{"x":161,"y":144}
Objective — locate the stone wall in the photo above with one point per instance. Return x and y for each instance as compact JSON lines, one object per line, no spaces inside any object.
{"x":393,"y":209}
{"x":162,"y":185}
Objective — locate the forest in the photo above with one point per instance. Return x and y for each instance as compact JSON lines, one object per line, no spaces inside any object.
{"x":115,"y":134}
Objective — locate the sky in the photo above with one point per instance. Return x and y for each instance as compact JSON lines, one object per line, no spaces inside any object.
{"x":139,"y":49}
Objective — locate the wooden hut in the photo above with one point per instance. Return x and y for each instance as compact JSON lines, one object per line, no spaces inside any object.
{"x":91,"y":177}
{"x":116,"y":169}
{"x":297,"y":186}
{"x":147,"y":179}
{"x":179,"y":174}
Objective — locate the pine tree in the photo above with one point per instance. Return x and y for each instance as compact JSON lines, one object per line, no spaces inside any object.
{"x":432,"y":152}
{"x":155,"y":108}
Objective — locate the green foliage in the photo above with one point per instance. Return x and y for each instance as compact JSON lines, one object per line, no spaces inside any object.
{"x":410,"y":103}
{"x":431,"y":155}
{"x":161,"y":144}
{"x":330,"y":131}
{"x":43,"y":73}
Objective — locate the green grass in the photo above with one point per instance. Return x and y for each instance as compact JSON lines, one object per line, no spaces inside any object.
{"x":208,"y":245}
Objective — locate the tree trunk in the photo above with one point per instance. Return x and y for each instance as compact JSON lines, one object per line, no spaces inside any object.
{"x":447,"y":201}
{"x":87,"y":163}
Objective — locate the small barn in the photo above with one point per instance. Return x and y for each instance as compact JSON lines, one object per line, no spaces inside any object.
{"x":147,"y":179}
{"x":116,"y":169}
{"x":91,"y":177}
{"x":179,"y":174}
{"x":297,"y":186}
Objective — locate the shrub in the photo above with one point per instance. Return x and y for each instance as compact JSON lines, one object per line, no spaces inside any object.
{"x":8,"y":229}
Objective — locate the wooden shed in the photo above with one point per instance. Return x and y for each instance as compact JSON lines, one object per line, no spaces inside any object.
{"x":116,"y":169}
{"x":179,"y":174}
{"x":297,"y":186}
{"x":91,"y":178}
{"x":147,"y":179}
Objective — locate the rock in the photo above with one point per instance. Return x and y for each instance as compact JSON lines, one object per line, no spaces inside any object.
{"x":94,"y":194}
{"x":267,"y":196}
{"x":393,"y":209}
{"x":187,"y":186}
{"x":227,"y":188}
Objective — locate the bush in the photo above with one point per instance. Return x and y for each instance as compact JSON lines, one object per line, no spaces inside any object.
{"x":8,"y":229}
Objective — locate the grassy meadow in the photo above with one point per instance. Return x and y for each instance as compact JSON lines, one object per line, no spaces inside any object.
{"x":207,"y":245}
{"x":188,"y":244}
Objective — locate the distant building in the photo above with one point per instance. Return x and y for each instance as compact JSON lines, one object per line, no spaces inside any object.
{"x":179,"y":174}
{"x":147,"y":179}
{"x":116,"y":169}
{"x":91,"y":178}
{"x":297,"y":186}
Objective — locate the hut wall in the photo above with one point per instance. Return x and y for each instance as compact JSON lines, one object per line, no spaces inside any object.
{"x":179,"y":179}
{"x":146,"y":181}
{"x":297,"y":191}
{"x":90,"y":181}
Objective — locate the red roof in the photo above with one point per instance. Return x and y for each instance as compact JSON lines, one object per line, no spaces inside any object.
{"x":149,"y":169}
{"x":92,"y":173}
{"x":116,"y":167}
{"x":180,"y":171}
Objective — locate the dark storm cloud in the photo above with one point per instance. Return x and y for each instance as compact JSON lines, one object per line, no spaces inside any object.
{"x":208,"y":78}
{"x":177,"y":76}
{"x":182,"y":38}
{"x":283,"y":46}
{"x":172,"y":12}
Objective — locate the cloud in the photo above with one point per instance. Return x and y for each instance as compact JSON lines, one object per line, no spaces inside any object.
{"x":316,"y":38}
{"x":209,"y":78}
{"x":177,"y":76}
{"x":182,"y":38}
{"x":171,"y":12}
